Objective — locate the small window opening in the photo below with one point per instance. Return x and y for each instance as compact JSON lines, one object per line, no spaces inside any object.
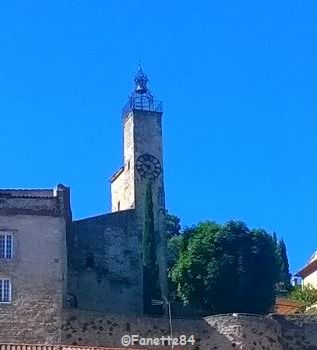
{"x":6,"y":246}
{"x":5,"y":291}
{"x":119,"y":206}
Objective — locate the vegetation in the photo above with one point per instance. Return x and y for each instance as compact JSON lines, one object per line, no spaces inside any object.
{"x":149,"y":241}
{"x":284,"y":280}
{"x":173,"y":226}
{"x":224,"y":268}
{"x":150,"y":268}
{"x":306,"y":294}
{"x":174,"y":238}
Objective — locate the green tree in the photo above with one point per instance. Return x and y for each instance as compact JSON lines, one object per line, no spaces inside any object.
{"x":149,"y":239}
{"x":151,"y":289}
{"x":284,"y":281}
{"x":226,"y":268}
{"x":285,"y":276}
{"x":306,"y":294}
{"x":174,"y":247}
{"x":173,"y":226}
{"x":174,"y":238}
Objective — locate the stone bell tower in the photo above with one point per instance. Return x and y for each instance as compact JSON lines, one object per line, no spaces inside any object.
{"x":143,"y":164}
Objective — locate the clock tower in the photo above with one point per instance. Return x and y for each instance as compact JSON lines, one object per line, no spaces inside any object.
{"x":143,"y":166}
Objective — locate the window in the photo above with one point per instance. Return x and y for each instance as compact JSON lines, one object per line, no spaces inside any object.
{"x":119,"y":206}
{"x":5,"y":291}
{"x":6,"y":246}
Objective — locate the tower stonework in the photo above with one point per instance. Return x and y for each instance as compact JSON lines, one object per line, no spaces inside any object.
{"x":143,"y":164}
{"x":142,"y":156}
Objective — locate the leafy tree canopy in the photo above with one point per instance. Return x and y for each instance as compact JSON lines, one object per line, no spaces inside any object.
{"x":173,"y":226}
{"x":226,"y":268}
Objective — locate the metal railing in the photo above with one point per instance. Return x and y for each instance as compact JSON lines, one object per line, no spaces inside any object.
{"x":153,"y":106}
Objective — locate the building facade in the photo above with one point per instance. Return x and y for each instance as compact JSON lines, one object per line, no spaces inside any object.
{"x":33,"y":262}
{"x":308,"y":273}
{"x":49,"y":263}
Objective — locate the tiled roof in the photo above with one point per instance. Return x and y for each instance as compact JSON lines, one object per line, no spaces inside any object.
{"x":55,"y":347}
{"x":308,"y":269}
{"x":313,"y":257}
{"x":28,"y":347}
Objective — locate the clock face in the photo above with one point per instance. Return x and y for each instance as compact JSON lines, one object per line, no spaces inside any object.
{"x":148,"y":166}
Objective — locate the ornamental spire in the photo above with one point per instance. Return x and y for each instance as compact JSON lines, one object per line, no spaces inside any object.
{"x":141,"y":81}
{"x":141,"y":97}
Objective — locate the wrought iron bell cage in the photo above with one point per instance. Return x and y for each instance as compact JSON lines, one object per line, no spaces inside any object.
{"x":141,"y":97}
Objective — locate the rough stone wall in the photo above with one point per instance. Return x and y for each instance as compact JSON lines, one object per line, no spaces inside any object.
{"x":299,"y":332}
{"x":221,"y":332}
{"x":85,"y":328}
{"x":38,"y":268}
{"x":24,"y":205}
{"x":248,"y":332}
{"x":105,"y":263}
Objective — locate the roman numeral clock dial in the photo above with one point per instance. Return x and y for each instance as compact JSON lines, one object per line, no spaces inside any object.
{"x":148,"y":166}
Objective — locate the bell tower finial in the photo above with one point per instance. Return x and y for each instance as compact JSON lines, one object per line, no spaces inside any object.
{"x":141,"y":81}
{"x":141,"y":97}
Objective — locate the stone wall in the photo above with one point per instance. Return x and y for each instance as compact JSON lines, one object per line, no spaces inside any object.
{"x":299,"y":332}
{"x":122,"y":183}
{"x":105,"y":263}
{"x":245,"y":331}
{"x":220,"y":332}
{"x":86,"y":328}
{"x":38,"y":267}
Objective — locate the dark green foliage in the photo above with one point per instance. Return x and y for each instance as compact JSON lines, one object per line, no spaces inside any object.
{"x":173,"y":227}
{"x":149,"y":239}
{"x":283,"y":285}
{"x":285,"y":276}
{"x":151,"y":289}
{"x":226,"y":268}
{"x":174,"y":247}
{"x":174,"y":238}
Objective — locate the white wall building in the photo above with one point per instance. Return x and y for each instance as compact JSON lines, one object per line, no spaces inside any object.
{"x":309,"y":272}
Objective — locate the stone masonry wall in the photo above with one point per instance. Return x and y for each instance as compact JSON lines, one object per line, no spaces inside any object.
{"x":37,"y":221}
{"x":37,"y":272}
{"x":105,"y":263}
{"x":85,"y":328}
{"x":299,"y":331}
{"x":122,"y":184}
{"x":250,"y":332}
{"x":222,"y":332}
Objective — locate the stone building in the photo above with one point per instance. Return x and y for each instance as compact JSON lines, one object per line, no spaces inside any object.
{"x":33,"y":262}
{"x":48,"y":262}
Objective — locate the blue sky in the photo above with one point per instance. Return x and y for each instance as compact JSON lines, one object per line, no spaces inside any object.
{"x":238,"y":80}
